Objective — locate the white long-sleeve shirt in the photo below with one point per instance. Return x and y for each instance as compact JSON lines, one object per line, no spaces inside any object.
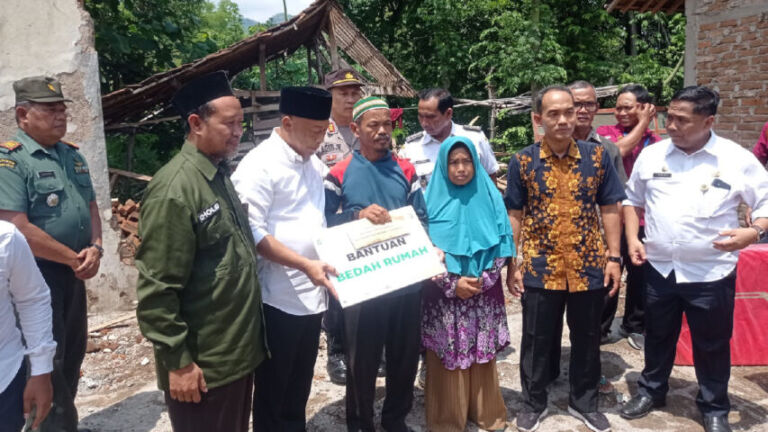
{"x":22,"y":288}
{"x":285,"y":196}
{"x":690,"y":199}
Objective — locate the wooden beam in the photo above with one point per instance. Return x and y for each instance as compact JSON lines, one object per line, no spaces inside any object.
{"x":628,"y":6}
{"x":676,"y":7}
{"x":129,"y":174}
{"x":612,"y":6}
{"x":659,"y":5}
{"x":263,"y":67}
{"x":646,"y":6}
{"x":332,"y":47}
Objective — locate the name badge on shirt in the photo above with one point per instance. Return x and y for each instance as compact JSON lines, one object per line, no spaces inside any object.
{"x":662,"y":175}
{"x":46,"y":174}
{"x":208,"y":212}
{"x":720,"y":184}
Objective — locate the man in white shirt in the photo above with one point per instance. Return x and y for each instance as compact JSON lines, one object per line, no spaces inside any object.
{"x":281,"y":183}
{"x":23,"y":289}
{"x":436,"y":118}
{"x":690,"y":187}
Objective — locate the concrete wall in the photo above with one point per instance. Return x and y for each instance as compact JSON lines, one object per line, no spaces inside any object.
{"x":55,"y":38}
{"x":727,"y":49}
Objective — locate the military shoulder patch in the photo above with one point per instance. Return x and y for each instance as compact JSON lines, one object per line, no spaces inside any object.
{"x":473,"y":128}
{"x":414,"y":137}
{"x":10,"y":146}
{"x":73,"y":145}
{"x":7,"y":163}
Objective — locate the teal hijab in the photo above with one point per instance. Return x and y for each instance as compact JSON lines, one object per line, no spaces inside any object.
{"x":469,"y":223}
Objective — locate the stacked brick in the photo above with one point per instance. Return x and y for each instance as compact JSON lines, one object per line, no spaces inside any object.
{"x":732,"y":57}
{"x":126,"y":217}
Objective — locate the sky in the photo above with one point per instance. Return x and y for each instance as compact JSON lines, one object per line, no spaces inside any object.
{"x":262,"y":10}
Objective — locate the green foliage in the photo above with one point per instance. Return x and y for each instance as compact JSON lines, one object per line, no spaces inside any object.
{"x":514,"y":46}
{"x":473,"y":48}
{"x":136,"y":38}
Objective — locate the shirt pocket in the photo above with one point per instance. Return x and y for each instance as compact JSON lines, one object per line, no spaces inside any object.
{"x":49,"y":195}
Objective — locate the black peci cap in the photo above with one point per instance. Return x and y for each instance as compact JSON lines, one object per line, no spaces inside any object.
{"x":308,"y":102}
{"x":201,"y":90}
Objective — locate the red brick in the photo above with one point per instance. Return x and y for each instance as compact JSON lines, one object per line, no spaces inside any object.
{"x":730,"y":39}
{"x":708,"y":27}
{"x":728,"y":23}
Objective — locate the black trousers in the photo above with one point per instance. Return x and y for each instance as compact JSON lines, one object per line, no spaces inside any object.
{"x":283,"y":381}
{"x":708,"y":306}
{"x":12,"y":403}
{"x":70,"y":331}
{"x":224,"y":408}
{"x":542,"y":332}
{"x":634,"y":297}
{"x":392,"y":321}
{"x":334,"y":327}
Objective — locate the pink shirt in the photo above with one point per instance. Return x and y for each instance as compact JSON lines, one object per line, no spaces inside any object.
{"x":616,"y":132}
{"x":761,"y":148}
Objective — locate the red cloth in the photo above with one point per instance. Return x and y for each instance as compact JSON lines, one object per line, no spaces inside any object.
{"x":616,"y":132}
{"x":396,"y":115}
{"x":761,"y":147}
{"x":749,"y":344}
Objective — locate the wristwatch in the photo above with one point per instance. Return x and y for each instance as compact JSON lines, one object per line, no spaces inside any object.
{"x":617,"y":260}
{"x":98,"y":248}
{"x":760,"y":231}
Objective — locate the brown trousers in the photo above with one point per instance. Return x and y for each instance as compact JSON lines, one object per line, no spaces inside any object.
{"x":225,"y":408}
{"x":453,"y":396}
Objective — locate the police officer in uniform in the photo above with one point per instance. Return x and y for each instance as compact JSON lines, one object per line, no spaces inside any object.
{"x":436,"y":118}
{"x":346,"y":88}
{"x":47,"y":193}
{"x":199,"y":297}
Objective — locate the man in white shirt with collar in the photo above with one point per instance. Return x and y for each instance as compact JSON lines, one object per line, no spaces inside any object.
{"x":281,"y":183}
{"x":23,"y":289}
{"x":690,"y":187}
{"x":436,"y":118}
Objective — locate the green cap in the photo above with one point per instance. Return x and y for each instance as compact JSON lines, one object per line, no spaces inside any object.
{"x":367,"y":104}
{"x":38,"y":89}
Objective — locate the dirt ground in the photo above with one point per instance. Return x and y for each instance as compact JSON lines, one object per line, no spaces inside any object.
{"x":117,"y":391}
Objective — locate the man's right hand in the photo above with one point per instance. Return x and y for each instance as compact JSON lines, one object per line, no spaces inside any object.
{"x":645,"y":113}
{"x":375,"y":213}
{"x":38,"y":393}
{"x":636,"y":251}
{"x":187,"y":383}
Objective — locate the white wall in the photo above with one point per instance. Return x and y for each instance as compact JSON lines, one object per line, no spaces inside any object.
{"x":55,"y":38}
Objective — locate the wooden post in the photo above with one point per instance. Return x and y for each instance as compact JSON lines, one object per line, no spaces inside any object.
{"x":317,"y":64}
{"x":309,"y":64}
{"x":129,"y":150}
{"x":263,"y":67}
{"x":332,"y":42}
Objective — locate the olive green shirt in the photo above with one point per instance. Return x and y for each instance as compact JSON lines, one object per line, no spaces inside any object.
{"x":199,"y":297}
{"x":51,"y":185}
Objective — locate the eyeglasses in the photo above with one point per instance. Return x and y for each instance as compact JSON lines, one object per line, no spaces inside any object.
{"x":589,"y":106}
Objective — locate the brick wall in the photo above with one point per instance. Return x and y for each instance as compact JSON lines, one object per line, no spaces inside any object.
{"x":732,"y":57}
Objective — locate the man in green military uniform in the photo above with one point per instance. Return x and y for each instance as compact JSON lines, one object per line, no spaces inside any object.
{"x":47,"y":193}
{"x":199,"y":298}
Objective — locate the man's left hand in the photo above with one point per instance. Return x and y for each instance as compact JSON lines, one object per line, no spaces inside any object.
{"x":612,"y":277}
{"x":90,"y":259}
{"x":738,"y":238}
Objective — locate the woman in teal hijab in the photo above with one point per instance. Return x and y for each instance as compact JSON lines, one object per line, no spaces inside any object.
{"x":464,"y":323}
